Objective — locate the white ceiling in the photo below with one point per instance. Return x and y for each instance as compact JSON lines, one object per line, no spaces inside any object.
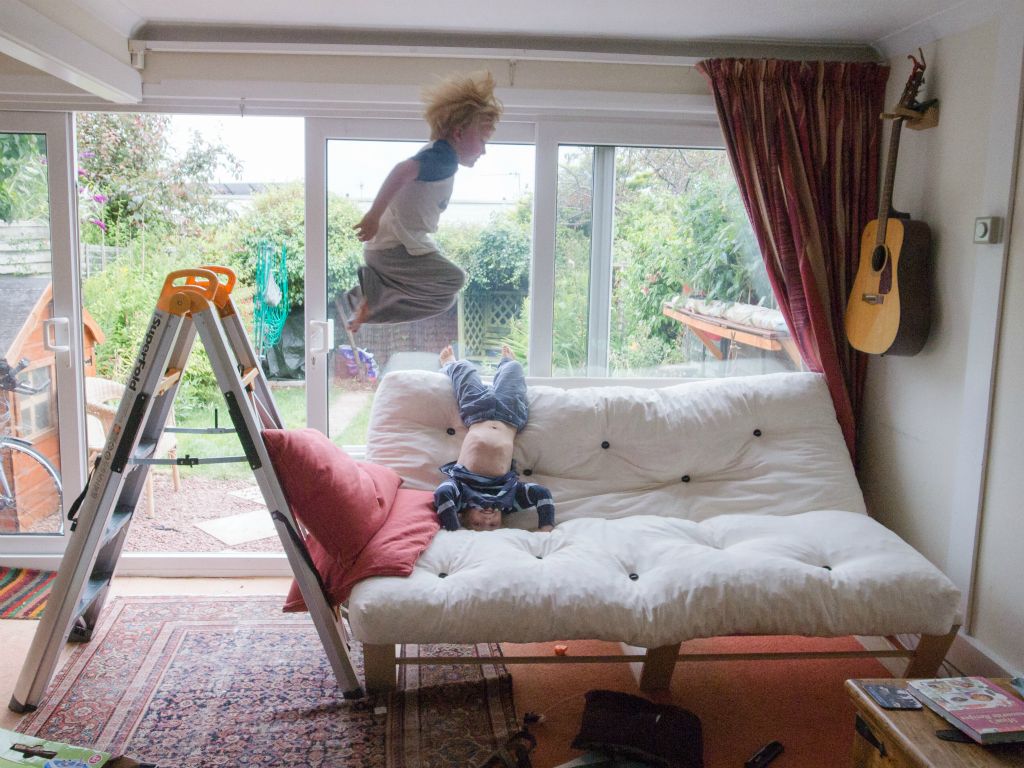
{"x":83,"y":44}
{"x":834,"y":21}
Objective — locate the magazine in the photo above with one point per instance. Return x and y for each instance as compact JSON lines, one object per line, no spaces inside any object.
{"x":977,"y":706}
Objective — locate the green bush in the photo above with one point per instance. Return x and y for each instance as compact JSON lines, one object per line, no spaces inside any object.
{"x":122,"y":299}
{"x":278,"y":217}
{"x":496,"y":256}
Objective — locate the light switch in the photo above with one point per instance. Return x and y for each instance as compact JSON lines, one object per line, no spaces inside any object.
{"x":986,"y":229}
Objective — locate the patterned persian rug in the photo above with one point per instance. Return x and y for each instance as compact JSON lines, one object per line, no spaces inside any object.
{"x":227,"y":681}
{"x":23,"y":592}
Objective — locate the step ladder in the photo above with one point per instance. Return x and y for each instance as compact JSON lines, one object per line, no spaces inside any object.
{"x":191,"y":301}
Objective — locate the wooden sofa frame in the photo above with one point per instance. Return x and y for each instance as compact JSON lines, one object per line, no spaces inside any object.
{"x":653,"y":667}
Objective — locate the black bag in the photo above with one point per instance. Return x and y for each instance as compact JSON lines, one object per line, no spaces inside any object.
{"x":632,"y":727}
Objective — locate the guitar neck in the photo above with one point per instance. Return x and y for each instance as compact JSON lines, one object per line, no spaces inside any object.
{"x":885,"y":203}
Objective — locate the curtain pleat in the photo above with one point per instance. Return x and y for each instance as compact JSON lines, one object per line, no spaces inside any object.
{"x":803,"y":139}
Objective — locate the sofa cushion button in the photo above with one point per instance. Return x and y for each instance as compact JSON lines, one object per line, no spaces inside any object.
{"x":450,"y":430}
{"x":685,"y":478}
{"x":527,"y":472}
{"x":441,"y":575}
{"x":757,"y":433}
{"x":538,"y":557}
{"x":633,"y":577}
{"x":827,"y":567}
{"x":606,"y":444}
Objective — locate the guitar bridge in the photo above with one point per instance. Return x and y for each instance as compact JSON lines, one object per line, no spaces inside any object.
{"x":872,"y":298}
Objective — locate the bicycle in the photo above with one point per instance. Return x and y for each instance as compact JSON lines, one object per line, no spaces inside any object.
{"x":21,"y":463}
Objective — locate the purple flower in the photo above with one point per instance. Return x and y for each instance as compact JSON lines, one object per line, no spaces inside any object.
{"x":100,"y":198}
{"x":81,"y":172}
{"x":99,"y":223}
{"x":86,"y":155}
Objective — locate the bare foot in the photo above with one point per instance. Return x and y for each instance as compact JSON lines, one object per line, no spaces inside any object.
{"x":507,"y":353}
{"x":362,"y":312}
{"x":447,"y":356}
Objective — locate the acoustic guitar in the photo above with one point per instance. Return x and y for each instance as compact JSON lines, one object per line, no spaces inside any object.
{"x":889,"y":309}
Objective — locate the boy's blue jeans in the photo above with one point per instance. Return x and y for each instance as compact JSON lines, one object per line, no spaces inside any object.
{"x":505,"y":400}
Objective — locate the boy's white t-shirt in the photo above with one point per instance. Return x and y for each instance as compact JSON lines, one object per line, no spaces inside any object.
{"x":415,"y":211}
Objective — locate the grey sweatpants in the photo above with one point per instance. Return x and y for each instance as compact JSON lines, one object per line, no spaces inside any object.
{"x":399,"y":287}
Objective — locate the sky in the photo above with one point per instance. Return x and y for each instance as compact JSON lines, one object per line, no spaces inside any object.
{"x":271,"y":150}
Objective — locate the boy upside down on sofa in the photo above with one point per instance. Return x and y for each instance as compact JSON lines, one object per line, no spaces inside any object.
{"x":482,"y":483}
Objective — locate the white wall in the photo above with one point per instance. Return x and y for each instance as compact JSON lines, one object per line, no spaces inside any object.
{"x":912,"y":407}
{"x":914,"y":467}
{"x":999,"y":609}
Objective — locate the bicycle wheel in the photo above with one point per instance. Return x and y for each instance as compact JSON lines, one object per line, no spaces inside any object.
{"x":30,"y":490}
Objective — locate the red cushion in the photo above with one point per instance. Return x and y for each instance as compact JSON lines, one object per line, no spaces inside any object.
{"x":410,"y":526}
{"x":341,"y":502}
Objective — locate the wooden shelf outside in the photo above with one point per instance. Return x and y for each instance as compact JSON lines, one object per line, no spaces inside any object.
{"x":708,"y":329}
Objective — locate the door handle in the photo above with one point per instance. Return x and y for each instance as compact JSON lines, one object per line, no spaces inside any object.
{"x":50,"y":327}
{"x":321,"y":336}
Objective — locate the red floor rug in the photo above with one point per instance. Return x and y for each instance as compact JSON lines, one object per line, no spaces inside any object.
{"x":228,"y":681}
{"x":23,"y":592}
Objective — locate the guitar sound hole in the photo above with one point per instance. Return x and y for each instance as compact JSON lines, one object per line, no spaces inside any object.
{"x":879,"y":257}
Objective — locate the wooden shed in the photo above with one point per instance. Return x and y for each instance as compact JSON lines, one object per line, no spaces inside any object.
{"x":25,"y":303}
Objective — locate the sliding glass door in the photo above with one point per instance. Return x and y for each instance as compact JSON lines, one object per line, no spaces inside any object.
{"x":41,"y":425}
{"x":486,"y":229}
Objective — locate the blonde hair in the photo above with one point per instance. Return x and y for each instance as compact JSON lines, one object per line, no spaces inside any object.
{"x":460,"y":101}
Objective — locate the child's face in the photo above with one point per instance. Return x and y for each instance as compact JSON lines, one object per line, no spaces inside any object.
{"x":480,"y":519}
{"x":470,"y":142}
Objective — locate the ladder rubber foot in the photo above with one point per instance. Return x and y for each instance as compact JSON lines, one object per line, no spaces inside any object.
{"x":355,"y":693}
{"x":17,"y":706}
{"x":79,"y":635}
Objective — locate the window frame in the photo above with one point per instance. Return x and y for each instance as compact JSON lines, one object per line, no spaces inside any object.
{"x":684,"y":133}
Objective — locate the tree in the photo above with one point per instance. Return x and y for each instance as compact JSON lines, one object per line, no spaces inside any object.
{"x":496,"y":256}
{"x":23,"y":177}
{"x":130,"y":181}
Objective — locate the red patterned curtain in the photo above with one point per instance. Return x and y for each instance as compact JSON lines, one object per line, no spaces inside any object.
{"x":803,"y":138}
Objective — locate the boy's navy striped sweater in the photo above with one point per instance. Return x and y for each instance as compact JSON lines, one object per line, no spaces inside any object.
{"x":505,"y":492}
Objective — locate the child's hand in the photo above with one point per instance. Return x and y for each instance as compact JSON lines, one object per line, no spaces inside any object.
{"x":366,"y":228}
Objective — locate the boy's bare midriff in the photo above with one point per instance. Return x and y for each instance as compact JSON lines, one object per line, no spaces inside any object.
{"x":487,"y":449}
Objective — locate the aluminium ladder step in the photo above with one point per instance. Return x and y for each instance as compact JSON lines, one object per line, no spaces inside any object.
{"x":201,"y":308}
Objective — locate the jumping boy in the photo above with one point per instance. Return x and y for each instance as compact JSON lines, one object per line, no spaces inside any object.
{"x":405,"y":277}
{"x":482,"y":484}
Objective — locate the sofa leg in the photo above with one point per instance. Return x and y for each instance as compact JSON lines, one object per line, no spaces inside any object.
{"x":379,"y":668}
{"x":657,"y":668}
{"x":930,"y":653}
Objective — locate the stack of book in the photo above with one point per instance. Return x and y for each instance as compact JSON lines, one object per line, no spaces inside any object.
{"x":977,"y":706}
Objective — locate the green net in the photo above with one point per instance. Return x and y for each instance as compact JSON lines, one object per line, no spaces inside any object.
{"x":270,"y":304}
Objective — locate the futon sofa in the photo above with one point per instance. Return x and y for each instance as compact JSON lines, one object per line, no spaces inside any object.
{"x":693,"y":510}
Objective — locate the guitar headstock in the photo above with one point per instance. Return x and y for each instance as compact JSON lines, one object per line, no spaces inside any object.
{"x":908,"y":100}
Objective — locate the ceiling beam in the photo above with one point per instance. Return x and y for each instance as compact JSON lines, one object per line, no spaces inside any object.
{"x":31,"y":37}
